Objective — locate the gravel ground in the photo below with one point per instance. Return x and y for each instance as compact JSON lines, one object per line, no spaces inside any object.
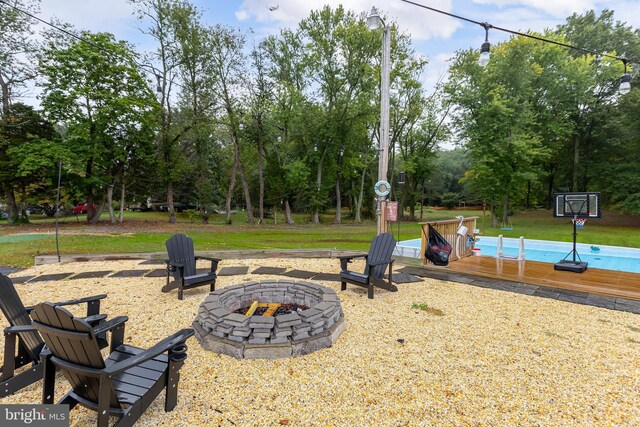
{"x":491,"y":359}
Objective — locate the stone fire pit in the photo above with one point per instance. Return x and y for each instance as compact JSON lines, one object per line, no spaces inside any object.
{"x":221,"y":330}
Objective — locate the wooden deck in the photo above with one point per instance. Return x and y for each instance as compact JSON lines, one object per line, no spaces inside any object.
{"x":595,"y":281}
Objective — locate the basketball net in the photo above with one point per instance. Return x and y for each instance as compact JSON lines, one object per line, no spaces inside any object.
{"x":579,"y":222}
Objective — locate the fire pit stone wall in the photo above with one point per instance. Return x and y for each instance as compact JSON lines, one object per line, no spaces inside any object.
{"x":221,"y":330}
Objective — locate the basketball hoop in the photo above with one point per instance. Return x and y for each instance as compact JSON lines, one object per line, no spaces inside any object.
{"x":579,"y":222}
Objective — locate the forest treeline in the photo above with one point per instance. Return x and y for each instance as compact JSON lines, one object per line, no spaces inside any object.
{"x":214,"y":118}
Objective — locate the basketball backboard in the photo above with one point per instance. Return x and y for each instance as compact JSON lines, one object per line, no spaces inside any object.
{"x":580,"y":205}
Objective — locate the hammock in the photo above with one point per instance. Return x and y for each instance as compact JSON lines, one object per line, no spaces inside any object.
{"x":438,"y":249}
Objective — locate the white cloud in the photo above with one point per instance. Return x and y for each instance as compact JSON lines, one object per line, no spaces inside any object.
{"x":242,"y":15}
{"x":106,"y":15}
{"x":556,"y":8}
{"x":421,"y":24}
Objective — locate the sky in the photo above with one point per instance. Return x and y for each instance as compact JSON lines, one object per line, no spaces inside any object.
{"x":436,"y":36}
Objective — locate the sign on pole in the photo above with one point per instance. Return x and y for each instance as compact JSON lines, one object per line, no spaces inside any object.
{"x":392,"y":211}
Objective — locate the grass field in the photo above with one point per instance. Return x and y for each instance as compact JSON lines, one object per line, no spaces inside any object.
{"x":147,"y":232}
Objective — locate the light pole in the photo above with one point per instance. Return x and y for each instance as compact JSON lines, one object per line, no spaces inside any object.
{"x":373,"y":23}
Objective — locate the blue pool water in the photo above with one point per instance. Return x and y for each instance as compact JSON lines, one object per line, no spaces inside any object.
{"x":598,"y":256}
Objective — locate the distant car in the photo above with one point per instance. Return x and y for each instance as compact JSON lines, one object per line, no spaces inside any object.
{"x":34,"y":209}
{"x":81,"y":208}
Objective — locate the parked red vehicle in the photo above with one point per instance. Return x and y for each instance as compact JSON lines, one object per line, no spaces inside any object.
{"x":81,"y":208}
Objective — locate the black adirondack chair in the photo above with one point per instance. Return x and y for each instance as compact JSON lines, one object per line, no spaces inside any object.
{"x":378,"y":258}
{"x":123,"y":385}
{"x":182,"y":264}
{"x":28,"y":340}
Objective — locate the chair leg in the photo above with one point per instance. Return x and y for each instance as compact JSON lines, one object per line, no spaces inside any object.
{"x":343,"y":286}
{"x":104,"y":397}
{"x":9,"y":366}
{"x":212,"y":287}
{"x":180,"y":292}
{"x":177,"y":356}
{"x":49,"y":383}
{"x":370,"y":290}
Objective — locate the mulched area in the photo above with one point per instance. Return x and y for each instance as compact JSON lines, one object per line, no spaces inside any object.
{"x":91,"y":274}
{"x":129,"y":273}
{"x":50,"y":277}
{"x":22,"y":279}
{"x":153,"y":262}
{"x":158,"y":272}
{"x":233,"y":271}
{"x":269,"y":270}
{"x":299,"y":274}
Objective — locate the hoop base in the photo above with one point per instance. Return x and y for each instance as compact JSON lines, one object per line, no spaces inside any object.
{"x":573,"y":266}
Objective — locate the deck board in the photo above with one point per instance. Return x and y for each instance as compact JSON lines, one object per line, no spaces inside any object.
{"x":594,"y":280}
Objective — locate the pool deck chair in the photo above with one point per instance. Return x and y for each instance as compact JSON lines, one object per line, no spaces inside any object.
{"x":123,"y":385}
{"x":29,"y":343}
{"x":182,"y":264}
{"x":377,"y":259}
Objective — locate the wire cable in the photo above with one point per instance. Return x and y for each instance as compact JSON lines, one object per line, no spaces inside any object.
{"x":486,"y":25}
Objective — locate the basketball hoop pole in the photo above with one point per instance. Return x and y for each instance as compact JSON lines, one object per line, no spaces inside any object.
{"x":575,"y":236}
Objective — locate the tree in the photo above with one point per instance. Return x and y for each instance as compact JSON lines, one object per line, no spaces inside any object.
{"x":338,"y":58}
{"x":29,"y":156}
{"x":497,"y":120}
{"x":95,"y":87}
{"x":17,"y":49}
{"x":227,"y":67}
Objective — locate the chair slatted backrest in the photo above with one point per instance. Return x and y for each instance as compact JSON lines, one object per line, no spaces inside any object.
{"x":381,"y":249}
{"x":17,"y":315}
{"x":73,"y":341}
{"x":180,"y":249}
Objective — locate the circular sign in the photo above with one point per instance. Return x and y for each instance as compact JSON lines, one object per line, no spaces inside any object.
{"x":382,"y":188}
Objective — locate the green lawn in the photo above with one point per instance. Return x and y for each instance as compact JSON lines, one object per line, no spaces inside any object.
{"x":147,"y":232}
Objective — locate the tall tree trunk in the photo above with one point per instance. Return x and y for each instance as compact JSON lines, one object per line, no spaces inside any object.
{"x":505,"y":210}
{"x":112,"y":215}
{"x":232,"y":186}
{"x":358,"y":215}
{"x":91,"y":213}
{"x":260,"y":179}
{"x":576,"y":162}
{"x":247,"y":193}
{"x":338,"y":202}
{"x":99,"y":210}
{"x":316,"y":210}
{"x":122,"y":193}
{"x":287,"y":212}
{"x":12,"y":206}
{"x":170,"y":207}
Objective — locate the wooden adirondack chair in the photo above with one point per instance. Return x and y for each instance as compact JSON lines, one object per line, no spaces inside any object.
{"x":123,"y":385}
{"x":30,"y":344}
{"x":377,"y":259}
{"x":182,"y":264}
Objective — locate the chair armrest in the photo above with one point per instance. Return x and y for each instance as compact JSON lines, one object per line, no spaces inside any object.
{"x":95,"y":318}
{"x":208,"y":258}
{"x":81,"y":300}
{"x":19,"y":329}
{"x":173,"y":266}
{"x":348,"y":257}
{"x":110,"y":324}
{"x":164,"y":345}
{"x":214,"y":262}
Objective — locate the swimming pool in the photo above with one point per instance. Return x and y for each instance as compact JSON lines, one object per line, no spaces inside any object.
{"x":598,"y":256}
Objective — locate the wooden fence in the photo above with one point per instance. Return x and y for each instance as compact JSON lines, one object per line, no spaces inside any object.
{"x":449,"y":230}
